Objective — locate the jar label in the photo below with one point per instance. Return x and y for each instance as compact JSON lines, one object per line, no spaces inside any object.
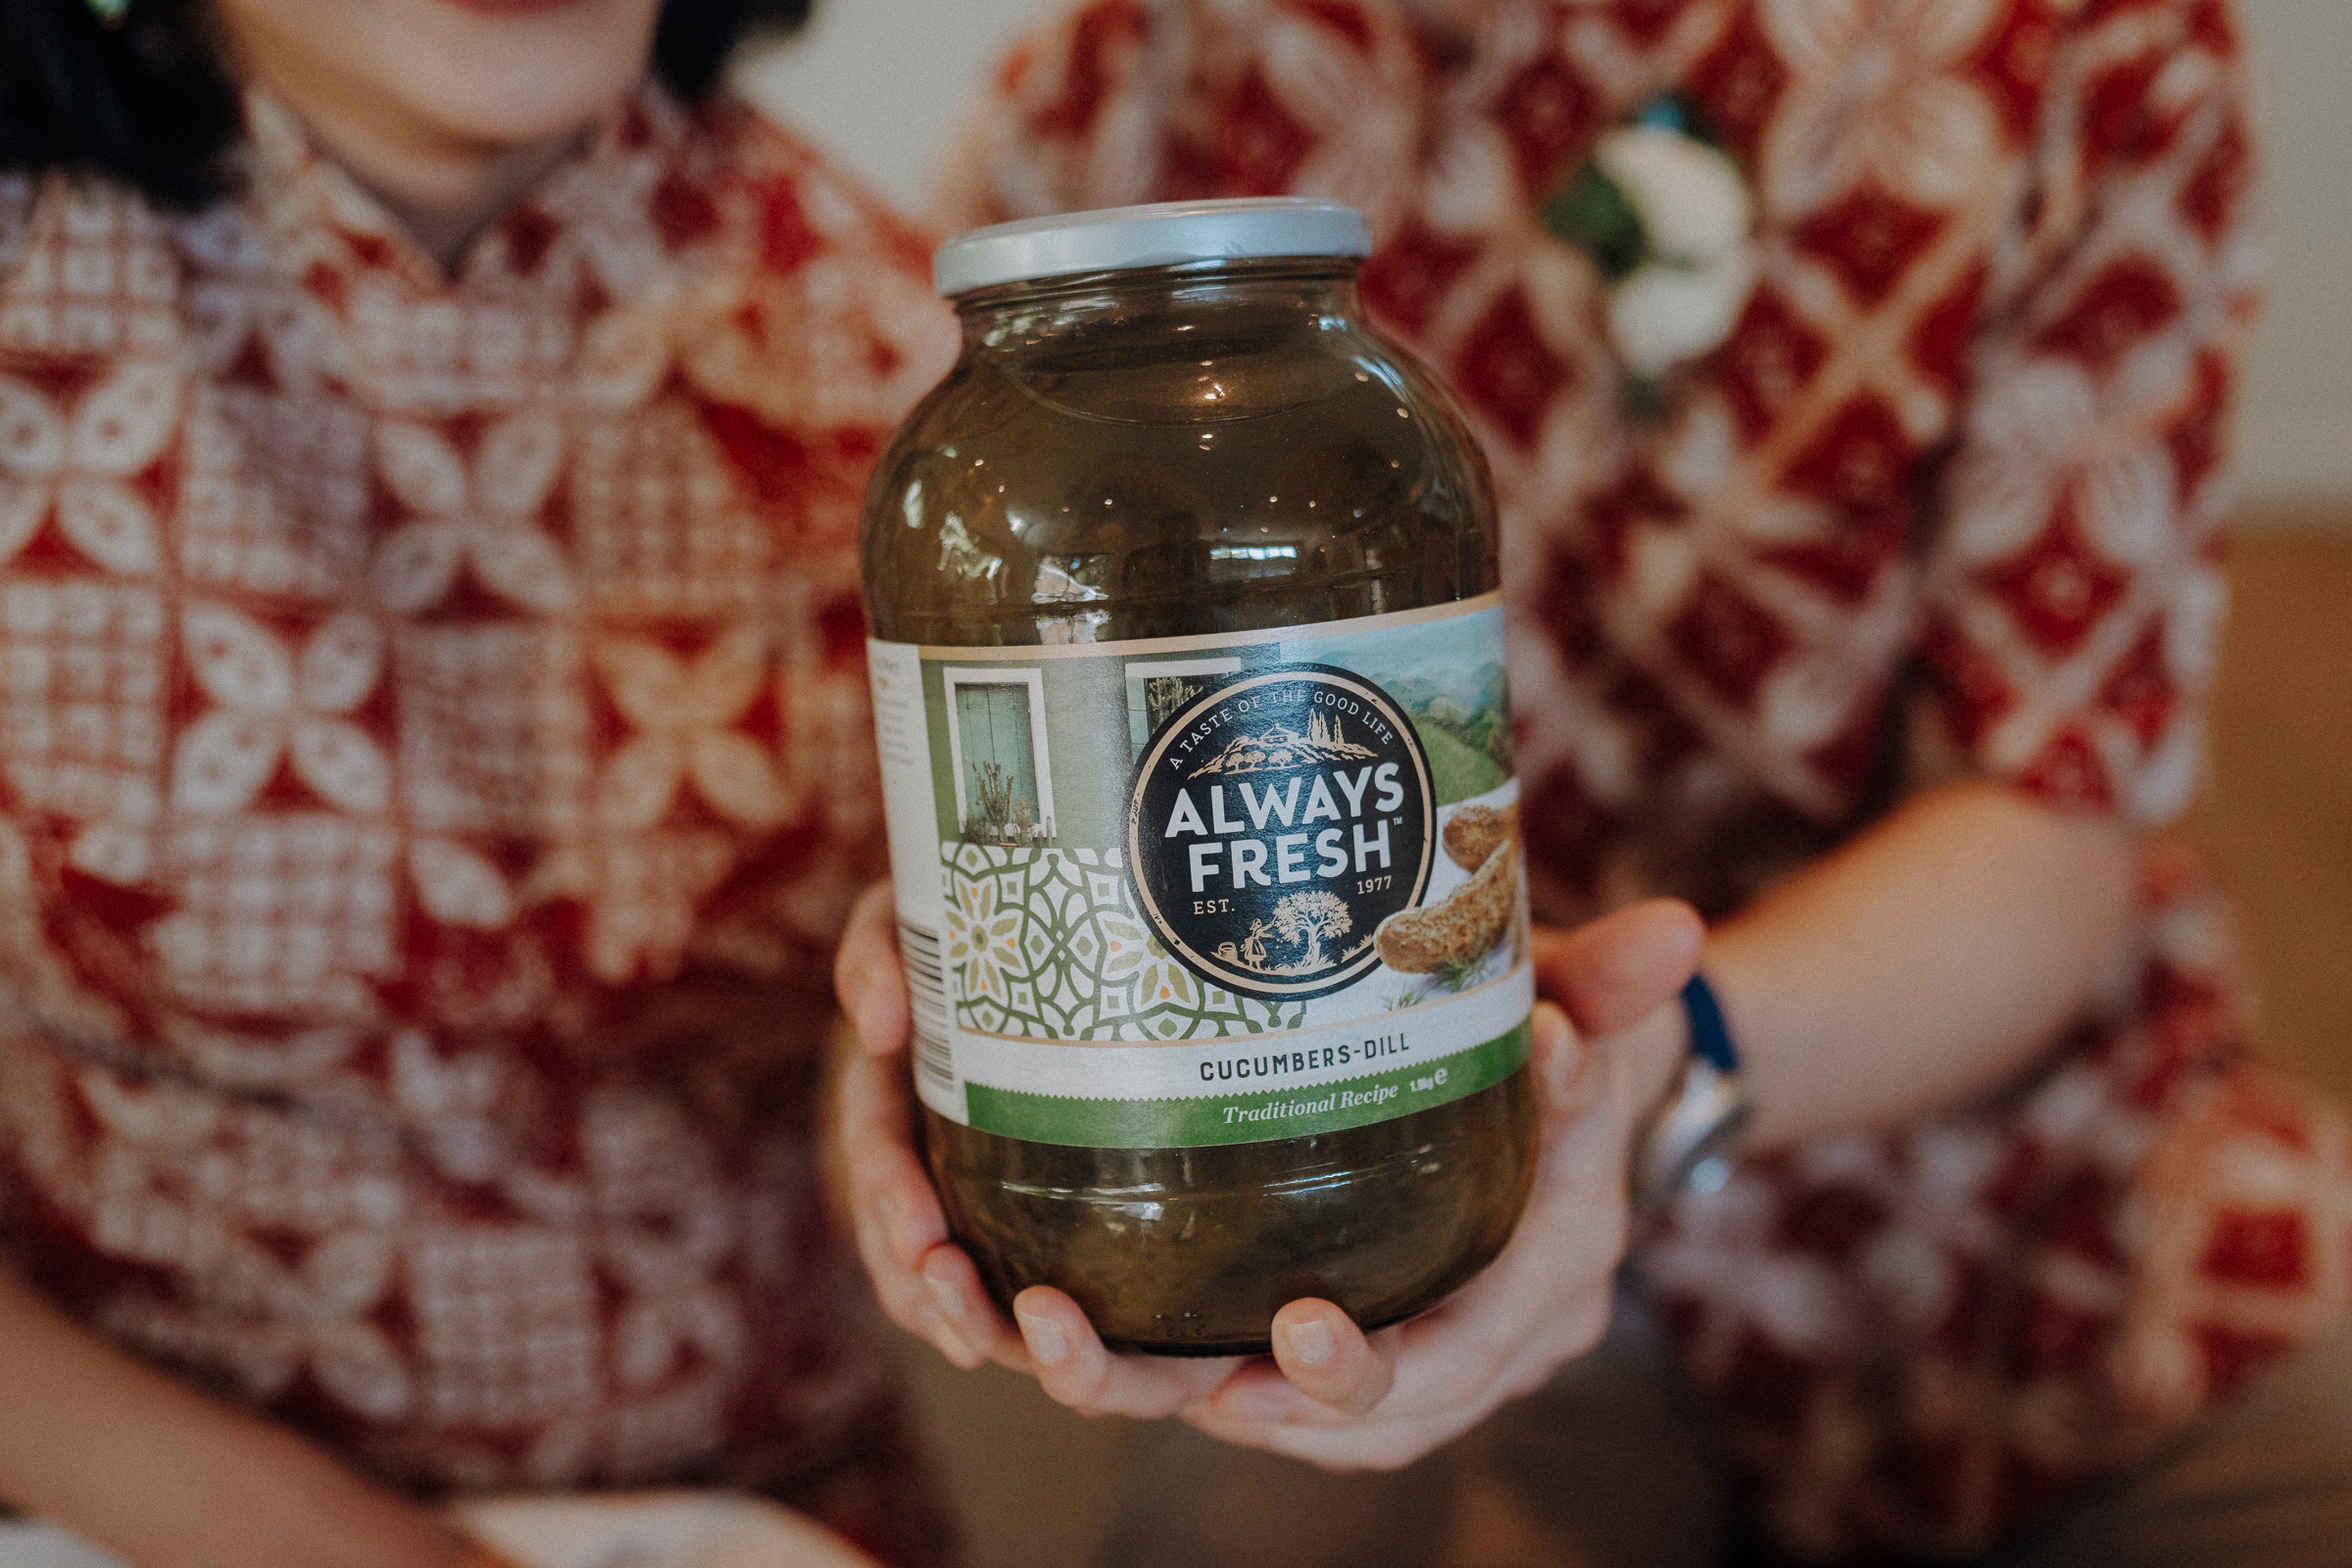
{"x":1211,"y":889}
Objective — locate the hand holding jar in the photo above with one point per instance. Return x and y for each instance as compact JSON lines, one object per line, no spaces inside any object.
{"x":1331,"y":1393}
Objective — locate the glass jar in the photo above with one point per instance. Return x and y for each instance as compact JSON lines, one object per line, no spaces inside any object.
{"x":1189,"y":683}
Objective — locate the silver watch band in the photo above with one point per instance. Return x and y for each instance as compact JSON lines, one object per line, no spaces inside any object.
{"x":1693,"y":1138}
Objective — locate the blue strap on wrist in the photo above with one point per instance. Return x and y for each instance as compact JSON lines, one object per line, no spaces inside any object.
{"x":1710,"y":1036}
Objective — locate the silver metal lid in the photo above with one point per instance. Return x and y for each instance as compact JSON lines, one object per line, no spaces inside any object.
{"x":1162,"y":234}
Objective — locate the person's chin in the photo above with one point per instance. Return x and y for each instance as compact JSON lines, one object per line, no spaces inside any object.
{"x":498,"y":99}
{"x":511,"y":7}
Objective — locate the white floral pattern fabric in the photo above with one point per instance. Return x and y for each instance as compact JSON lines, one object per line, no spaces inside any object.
{"x":433,"y":768}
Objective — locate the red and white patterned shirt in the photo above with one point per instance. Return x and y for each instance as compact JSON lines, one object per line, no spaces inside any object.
{"x":434,"y":766}
{"x":1945,"y":504}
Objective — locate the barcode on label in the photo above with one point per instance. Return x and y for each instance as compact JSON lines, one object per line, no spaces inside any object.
{"x":927,"y":998}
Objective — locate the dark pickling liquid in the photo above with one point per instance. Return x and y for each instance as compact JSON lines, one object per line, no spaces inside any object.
{"x":1155,"y":454}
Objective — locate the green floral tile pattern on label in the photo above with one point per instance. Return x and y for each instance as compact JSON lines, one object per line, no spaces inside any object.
{"x":1045,"y":943}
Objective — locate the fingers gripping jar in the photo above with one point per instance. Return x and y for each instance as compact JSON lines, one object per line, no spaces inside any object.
{"x":1188,"y":671}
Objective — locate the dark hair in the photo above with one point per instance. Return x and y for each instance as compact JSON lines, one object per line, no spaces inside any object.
{"x":150,"y":103}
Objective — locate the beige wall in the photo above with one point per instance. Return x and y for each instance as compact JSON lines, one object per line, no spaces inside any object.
{"x":2295,"y":434}
{"x":882,"y":82}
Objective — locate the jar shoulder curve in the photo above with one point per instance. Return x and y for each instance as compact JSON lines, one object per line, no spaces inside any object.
{"x":997,"y":517}
{"x":1435,"y":401}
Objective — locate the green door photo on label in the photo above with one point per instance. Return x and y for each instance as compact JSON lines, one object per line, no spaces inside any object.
{"x":1001,"y":797}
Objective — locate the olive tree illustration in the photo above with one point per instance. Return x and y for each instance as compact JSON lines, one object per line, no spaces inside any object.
{"x":1309,"y":918}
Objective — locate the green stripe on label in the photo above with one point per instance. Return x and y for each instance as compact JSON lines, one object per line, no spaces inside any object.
{"x":1245,"y":1118}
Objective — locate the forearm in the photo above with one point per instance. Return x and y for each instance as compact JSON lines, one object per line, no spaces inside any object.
{"x":1924,"y":963}
{"x":154,"y":1471}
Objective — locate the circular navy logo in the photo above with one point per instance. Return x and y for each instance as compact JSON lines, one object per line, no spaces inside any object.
{"x":1274,"y":823}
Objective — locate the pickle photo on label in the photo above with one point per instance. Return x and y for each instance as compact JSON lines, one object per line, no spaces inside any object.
{"x":1189,"y":680}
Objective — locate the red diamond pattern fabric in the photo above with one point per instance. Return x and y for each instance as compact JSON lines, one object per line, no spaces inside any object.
{"x":1966,"y":430}
{"x":1731,"y":643}
{"x":433,"y":767}
{"x":1772,"y":354}
{"x":1412,"y":275}
{"x":1546,"y":110}
{"x":2128,"y":301}
{"x":2057,"y":589}
{"x":1508,"y":373}
{"x":1868,"y":239}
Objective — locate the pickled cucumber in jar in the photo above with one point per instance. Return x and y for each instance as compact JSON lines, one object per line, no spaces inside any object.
{"x":1189,"y":682}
